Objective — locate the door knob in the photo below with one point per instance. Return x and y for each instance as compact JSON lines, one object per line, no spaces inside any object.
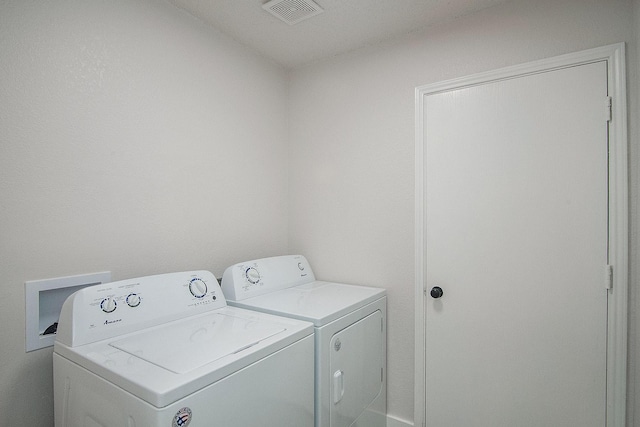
{"x":436,"y":292}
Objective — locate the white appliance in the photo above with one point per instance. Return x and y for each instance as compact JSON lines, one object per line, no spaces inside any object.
{"x":350,"y":333}
{"x":166,"y":350}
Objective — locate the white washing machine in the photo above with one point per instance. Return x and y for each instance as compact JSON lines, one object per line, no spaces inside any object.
{"x":166,"y":350}
{"x":350,"y":333}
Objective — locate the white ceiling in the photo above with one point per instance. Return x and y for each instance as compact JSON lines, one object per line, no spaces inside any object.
{"x":343,"y":26}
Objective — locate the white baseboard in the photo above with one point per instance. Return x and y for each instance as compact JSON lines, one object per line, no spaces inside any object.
{"x":396,"y":422}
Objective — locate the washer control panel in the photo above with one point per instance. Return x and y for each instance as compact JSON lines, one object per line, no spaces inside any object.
{"x":111,"y":309}
{"x":258,"y":277}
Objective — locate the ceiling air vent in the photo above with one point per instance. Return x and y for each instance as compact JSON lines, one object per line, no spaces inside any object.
{"x":292,"y":11}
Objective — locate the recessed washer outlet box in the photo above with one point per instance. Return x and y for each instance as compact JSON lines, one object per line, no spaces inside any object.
{"x":43,"y":303}
{"x":292,"y":11}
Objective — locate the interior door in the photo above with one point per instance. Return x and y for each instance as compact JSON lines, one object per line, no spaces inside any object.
{"x":516,"y":239}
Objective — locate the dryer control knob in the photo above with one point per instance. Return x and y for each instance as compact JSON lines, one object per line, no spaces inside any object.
{"x":197,"y":287}
{"x":108,"y":305}
{"x":252,"y":274}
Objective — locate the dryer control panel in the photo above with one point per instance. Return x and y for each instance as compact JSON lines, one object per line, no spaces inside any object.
{"x":112,"y":309}
{"x":262,"y":276}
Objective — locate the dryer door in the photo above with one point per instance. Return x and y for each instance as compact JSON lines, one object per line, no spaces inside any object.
{"x":356,"y":364}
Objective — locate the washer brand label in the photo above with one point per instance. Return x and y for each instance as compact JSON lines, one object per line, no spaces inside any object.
{"x":182,"y":418}
{"x":109,"y":322}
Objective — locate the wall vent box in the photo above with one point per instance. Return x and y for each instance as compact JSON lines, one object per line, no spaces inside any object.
{"x":43,"y":303}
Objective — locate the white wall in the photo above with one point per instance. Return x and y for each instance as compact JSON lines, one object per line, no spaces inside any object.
{"x":352,"y":147}
{"x":132,"y":139}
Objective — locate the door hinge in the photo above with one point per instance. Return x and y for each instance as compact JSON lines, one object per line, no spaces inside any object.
{"x":608,"y":109}
{"x":608,"y":277}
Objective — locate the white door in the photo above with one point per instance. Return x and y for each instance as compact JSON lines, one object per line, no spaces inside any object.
{"x":516,"y":238}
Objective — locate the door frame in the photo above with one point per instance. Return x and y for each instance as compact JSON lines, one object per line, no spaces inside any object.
{"x":617,"y":318}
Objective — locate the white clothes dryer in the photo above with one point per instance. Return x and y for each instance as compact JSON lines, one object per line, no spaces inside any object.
{"x":350,"y":333}
{"x":166,"y":350}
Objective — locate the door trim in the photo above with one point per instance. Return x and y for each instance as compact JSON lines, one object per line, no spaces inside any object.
{"x":617,"y":320}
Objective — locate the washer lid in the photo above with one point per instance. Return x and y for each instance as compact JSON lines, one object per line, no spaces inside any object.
{"x":189,"y":345}
{"x":318,"y":302}
{"x":167,"y":362}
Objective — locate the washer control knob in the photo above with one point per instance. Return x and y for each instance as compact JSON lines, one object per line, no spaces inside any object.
{"x":133,"y":300}
{"x":197,"y":287}
{"x":252,"y":274}
{"x":108,"y":305}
